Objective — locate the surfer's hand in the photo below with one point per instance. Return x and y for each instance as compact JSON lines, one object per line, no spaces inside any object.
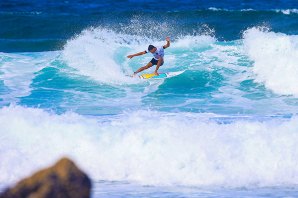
{"x":129,"y":56}
{"x":156,"y":74}
{"x":168,"y":39}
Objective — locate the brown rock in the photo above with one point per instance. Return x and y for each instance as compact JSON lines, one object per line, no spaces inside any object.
{"x":63,"y":180}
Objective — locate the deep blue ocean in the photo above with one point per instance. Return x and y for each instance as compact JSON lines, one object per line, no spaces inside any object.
{"x":226,"y":127}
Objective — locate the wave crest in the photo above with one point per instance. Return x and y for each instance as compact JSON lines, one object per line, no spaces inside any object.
{"x":275,"y":57}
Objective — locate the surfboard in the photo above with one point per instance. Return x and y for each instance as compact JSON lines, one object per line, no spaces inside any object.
{"x":160,"y":76}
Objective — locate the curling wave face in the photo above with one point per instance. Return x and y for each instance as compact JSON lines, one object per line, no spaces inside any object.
{"x":89,"y":76}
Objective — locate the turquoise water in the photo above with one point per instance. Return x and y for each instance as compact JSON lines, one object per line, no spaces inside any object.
{"x":225,"y":127}
{"x":219,"y":77}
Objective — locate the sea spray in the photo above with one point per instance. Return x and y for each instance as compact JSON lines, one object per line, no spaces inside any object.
{"x":152,"y":147}
{"x":275,"y":59}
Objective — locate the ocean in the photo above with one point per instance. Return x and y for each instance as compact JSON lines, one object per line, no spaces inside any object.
{"x":226,"y":127}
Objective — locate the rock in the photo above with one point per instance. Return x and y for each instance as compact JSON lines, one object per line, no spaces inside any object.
{"x":63,"y":180}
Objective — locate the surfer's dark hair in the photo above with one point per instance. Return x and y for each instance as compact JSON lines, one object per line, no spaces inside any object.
{"x":150,"y":47}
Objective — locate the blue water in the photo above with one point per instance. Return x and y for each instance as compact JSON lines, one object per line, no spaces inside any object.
{"x":226,"y":127}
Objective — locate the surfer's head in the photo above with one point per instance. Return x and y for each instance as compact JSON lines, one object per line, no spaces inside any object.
{"x":151,"y":48}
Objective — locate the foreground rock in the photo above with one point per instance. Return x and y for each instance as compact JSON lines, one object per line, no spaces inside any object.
{"x":63,"y":180}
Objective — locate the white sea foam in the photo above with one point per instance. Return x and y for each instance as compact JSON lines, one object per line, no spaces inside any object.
{"x":283,"y":11}
{"x":101,"y":54}
{"x":151,"y":147}
{"x":275,"y":57}
{"x":92,"y":53}
{"x":191,"y":42}
{"x":18,"y":70}
{"x":287,"y":11}
{"x":227,"y":10}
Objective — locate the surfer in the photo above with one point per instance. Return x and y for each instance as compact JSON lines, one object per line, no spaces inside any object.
{"x":158,"y":54}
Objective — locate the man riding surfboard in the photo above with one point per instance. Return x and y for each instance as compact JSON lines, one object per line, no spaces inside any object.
{"x":158,"y":54}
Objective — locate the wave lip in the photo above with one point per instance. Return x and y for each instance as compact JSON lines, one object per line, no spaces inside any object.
{"x":275,"y":57}
{"x":100,"y":53}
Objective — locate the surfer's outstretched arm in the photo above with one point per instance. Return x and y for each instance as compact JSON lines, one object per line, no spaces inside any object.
{"x":168,"y":43}
{"x":137,"y":54}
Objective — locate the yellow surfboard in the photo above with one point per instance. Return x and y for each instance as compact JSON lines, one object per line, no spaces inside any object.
{"x":146,"y":76}
{"x":160,"y":76}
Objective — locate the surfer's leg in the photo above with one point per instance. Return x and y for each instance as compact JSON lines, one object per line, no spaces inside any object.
{"x":143,"y":68}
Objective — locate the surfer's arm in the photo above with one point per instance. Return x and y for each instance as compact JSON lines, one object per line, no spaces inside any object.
{"x":159,"y":62}
{"x":168,"y":43}
{"x":137,"y":54}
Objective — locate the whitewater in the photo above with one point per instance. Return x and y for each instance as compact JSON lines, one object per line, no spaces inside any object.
{"x":229,"y":121}
{"x":225,"y":127}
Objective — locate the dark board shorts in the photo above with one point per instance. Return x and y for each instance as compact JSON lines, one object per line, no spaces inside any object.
{"x":154,"y":62}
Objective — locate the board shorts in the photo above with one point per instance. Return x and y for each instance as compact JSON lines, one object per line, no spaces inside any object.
{"x":154,"y":62}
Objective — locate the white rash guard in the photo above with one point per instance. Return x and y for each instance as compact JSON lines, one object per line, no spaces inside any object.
{"x":158,"y":53}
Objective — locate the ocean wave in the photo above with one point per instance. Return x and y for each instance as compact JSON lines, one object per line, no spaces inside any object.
{"x":101,"y":53}
{"x":229,"y":10}
{"x":287,"y":11}
{"x":18,"y":71}
{"x":283,"y":11}
{"x":275,"y":59}
{"x":151,"y":147}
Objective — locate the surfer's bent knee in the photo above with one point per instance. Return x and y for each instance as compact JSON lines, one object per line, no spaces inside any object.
{"x":148,"y":65}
